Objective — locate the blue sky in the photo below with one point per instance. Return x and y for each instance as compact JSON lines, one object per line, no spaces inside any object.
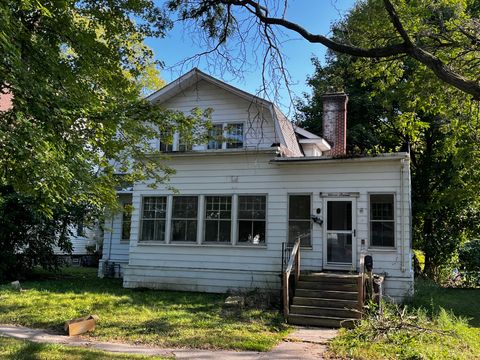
{"x":315,"y":15}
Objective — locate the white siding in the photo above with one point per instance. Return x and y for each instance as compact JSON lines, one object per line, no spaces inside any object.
{"x":79,"y":243}
{"x":114,"y":249}
{"x":222,"y":267}
{"x":228,"y":108}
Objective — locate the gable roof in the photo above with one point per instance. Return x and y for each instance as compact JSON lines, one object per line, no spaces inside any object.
{"x":283,"y":127}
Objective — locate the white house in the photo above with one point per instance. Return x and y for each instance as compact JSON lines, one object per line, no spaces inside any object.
{"x":238,"y":200}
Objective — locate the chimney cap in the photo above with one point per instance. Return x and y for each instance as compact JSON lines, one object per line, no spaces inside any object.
{"x":340,"y":94}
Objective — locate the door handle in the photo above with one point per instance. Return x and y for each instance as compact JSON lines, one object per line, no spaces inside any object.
{"x":354,"y":232}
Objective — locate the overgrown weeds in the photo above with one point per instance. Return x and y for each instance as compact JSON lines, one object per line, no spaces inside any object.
{"x":401,"y":332}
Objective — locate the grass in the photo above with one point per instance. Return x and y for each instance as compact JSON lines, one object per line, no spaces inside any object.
{"x":161,"y":318}
{"x":438,"y":323}
{"x":26,"y":350}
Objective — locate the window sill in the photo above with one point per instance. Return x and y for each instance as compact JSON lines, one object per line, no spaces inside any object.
{"x":191,"y":244}
{"x":382,"y":249}
{"x":123,"y":242}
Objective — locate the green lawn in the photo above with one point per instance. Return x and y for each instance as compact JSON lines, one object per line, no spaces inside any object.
{"x":444,"y":324}
{"x":162,"y":318}
{"x":26,"y":350}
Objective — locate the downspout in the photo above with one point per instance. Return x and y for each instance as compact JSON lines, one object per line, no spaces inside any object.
{"x":111,"y":239}
{"x":402,"y":214}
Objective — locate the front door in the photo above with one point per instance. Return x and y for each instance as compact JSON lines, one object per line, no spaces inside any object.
{"x":339,"y":234}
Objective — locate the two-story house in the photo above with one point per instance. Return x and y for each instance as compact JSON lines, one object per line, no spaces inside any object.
{"x":264,"y":184}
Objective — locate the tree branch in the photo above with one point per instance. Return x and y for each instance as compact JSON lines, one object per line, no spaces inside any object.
{"x":440,"y":69}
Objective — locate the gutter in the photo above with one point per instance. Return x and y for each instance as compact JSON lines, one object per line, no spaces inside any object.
{"x":329,"y":159}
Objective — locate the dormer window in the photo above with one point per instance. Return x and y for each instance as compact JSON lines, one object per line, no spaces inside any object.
{"x":216,"y":137}
{"x":226,"y":136}
{"x":234,"y":136}
{"x":221,"y":136}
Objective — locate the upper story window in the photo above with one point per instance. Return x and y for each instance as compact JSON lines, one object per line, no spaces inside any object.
{"x":152,"y":222}
{"x":299,"y":222}
{"x":252,"y":211}
{"x":184,"y":218}
{"x":216,"y":137}
{"x":183,"y":145}
{"x":382,"y":220}
{"x":234,"y":136}
{"x":218,"y":219}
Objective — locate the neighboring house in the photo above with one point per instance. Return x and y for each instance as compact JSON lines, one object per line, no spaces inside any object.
{"x":238,"y":200}
{"x":85,"y":241}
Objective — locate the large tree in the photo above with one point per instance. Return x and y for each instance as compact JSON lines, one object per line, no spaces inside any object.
{"x":443,"y":141}
{"x":442,"y":35}
{"x":78,"y":72}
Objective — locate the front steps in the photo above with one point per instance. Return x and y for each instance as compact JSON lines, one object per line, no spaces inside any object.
{"x":325,"y":300}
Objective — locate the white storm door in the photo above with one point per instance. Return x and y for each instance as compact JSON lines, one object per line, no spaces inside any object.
{"x":339,"y":233}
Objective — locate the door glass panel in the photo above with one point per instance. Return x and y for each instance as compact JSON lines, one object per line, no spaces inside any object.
{"x":339,"y":248}
{"x":339,"y":215}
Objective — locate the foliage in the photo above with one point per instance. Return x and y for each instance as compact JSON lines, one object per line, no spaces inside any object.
{"x":20,"y":349}
{"x":400,"y":333}
{"x":432,"y":297}
{"x":28,"y":236}
{"x":469,"y":255}
{"x":440,"y":36}
{"x":77,"y":70}
{"x":162,"y":318}
{"x":399,"y":105}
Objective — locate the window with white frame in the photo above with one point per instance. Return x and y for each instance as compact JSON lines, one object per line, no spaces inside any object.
{"x":226,"y":136}
{"x":234,"y":136}
{"x":252,"y":219}
{"x":184,"y":218}
{"x":183,"y":145}
{"x":126,"y":221}
{"x":215,"y":137}
{"x":299,"y":222}
{"x":382,"y":220}
{"x":152,"y":222}
{"x":218,"y":219}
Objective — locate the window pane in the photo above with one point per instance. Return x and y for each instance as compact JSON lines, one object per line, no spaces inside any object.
{"x":224,"y":231}
{"x":251,"y":207}
{"x":178,"y":230}
{"x":382,"y":233}
{"x":211,"y":230}
{"x":381,"y":206}
{"x":299,"y":207}
{"x":185,"y":207}
{"x":147,"y":230}
{"x":155,"y":207}
{"x":252,"y":232}
{"x":297,"y":228}
{"x":126,"y":221}
{"x":234,"y":136}
{"x":339,"y":248}
{"x":183,"y":145}
{"x":218,"y":207}
{"x":339,"y":215}
{"x":216,"y":137}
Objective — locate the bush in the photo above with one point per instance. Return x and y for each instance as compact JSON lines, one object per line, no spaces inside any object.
{"x":469,"y":255}
{"x":28,"y":236}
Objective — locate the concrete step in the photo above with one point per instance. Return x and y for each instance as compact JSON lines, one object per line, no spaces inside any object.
{"x":323,"y":302}
{"x":320,"y":321}
{"x":330,"y":278}
{"x":329,"y":294}
{"x":321,"y":285}
{"x":325,"y":311}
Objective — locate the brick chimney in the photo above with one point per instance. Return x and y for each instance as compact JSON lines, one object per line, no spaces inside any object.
{"x":335,"y":122}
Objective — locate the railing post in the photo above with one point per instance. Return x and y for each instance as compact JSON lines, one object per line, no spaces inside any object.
{"x":286,"y":300}
{"x":297,"y":265}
